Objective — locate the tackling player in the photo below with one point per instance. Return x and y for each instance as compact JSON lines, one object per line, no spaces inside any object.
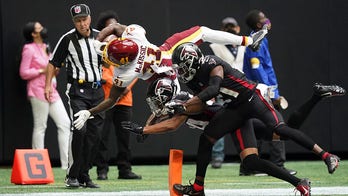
{"x":209,"y":77}
{"x":135,"y":57}
{"x":162,"y":92}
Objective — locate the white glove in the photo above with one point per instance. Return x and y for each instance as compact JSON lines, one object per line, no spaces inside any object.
{"x":82,"y":117}
{"x":99,"y":46}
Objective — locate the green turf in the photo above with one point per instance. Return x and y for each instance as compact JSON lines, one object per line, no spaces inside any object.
{"x":155,"y":177}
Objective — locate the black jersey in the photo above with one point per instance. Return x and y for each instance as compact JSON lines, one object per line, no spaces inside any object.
{"x":235,"y":87}
{"x":198,"y":121}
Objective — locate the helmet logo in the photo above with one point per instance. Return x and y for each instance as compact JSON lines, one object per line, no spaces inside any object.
{"x":162,"y":90}
{"x":188,"y":54}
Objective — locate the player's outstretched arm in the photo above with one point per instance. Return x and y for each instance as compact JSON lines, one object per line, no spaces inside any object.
{"x":166,"y":126}
{"x":116,"y":29}
{"x":161,"y":127}
{"x":83,"y":115}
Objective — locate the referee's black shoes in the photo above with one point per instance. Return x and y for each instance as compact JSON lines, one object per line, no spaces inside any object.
{"x":72,"y":183}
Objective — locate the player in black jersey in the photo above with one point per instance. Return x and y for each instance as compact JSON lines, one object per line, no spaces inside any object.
{"x":209,"y":77}
{"x":161,"y":92}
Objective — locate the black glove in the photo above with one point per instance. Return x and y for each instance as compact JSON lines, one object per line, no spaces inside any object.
{"x":257,"y":38}
{"x":132,"y":127}
{"x":176,"y":106}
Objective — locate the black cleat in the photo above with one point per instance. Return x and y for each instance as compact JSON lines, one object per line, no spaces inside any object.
{"x":328,"y":90}
{"x":187,"y":190}
{"x":304,"y":187}
{"x":72,"y":183}
{"x":332,"y":162}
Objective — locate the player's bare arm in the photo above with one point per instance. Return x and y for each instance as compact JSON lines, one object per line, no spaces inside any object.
{"x":166,"y":126}
{"x":115,"y":93}
{"x":116,"y":29}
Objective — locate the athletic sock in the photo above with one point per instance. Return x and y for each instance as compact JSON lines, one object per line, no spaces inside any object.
{"x":323,"y":154}
{"x":198,"y":185}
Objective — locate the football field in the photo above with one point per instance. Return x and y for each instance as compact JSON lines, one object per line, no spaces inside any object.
{"x":215,"y":192}
{"x":219,"y":182}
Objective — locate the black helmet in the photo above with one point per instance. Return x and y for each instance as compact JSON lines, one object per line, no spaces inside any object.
{"x":185,"y":60}
{"x":160,"y":92}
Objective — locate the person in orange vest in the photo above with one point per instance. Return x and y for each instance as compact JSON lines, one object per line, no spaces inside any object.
{"x":122,"y":111}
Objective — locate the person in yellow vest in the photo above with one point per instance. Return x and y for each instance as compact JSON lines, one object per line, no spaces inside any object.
{"x":122,"y":111}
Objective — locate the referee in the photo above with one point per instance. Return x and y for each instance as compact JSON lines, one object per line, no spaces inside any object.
{"x":75,"y":49}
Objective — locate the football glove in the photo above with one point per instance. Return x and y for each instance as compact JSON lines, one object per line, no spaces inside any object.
{"x":141,"y":138}
{"x":257,"y":38}
{"x":82,"y":117}
{"x":132,"y":127}
{"x":176,"y":106}
{"x":99,"y":46}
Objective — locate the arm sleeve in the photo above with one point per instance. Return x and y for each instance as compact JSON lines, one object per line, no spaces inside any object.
{"x":212,"y":90}
{"x":222,"y":37}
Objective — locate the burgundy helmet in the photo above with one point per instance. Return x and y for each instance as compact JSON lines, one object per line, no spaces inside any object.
{"x":120,"y":52}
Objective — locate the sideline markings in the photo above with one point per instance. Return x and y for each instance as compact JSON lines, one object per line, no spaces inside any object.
{"x":214,"y":192}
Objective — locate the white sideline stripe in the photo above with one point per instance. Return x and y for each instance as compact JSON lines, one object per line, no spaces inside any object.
{"x":215,"y":192}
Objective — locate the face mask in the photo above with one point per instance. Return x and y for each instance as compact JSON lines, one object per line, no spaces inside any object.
{"x":43,"y":33}
{"x":266,"y":22}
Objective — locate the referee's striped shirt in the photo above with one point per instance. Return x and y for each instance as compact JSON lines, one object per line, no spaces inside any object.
{"x":78,"y":53}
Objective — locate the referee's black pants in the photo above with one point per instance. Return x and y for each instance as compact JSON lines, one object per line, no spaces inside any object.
{"x":85,"y":142}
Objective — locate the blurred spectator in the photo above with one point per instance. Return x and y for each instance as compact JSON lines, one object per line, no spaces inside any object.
{"x":122,"y":111}
{"x":258,"y":67}
{"x":34,"y":60}
{"x":233,"y":55}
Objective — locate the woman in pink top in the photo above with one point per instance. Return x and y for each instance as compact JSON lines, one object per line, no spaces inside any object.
{"x":35,"y":56}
